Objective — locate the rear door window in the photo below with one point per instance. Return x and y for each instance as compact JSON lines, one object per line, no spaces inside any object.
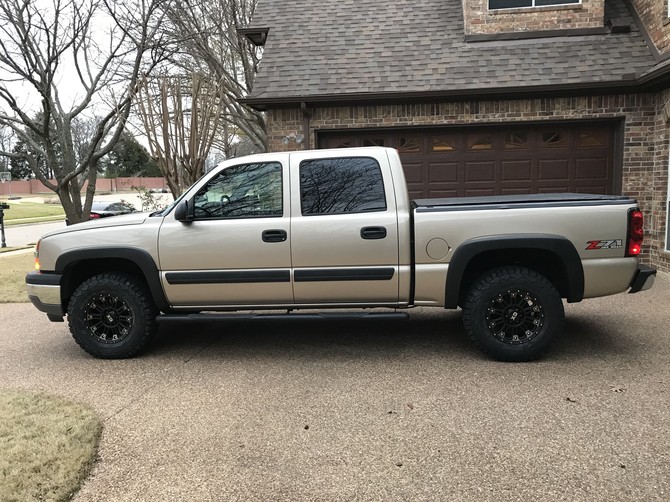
{"x":341,"y":186}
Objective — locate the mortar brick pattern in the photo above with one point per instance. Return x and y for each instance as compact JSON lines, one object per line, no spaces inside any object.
{"x":645,"y":136}
{"x":479,"y":20}
{"x":654,"y":15}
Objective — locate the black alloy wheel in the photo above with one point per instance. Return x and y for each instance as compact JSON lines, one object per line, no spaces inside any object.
{"x":112,"y":315}
{"x":108,"y":318}
{"x":513,"y":313}
{"x":515,"y":316}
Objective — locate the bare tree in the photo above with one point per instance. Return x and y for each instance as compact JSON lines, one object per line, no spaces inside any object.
{"x":73,"y":57}
{"x":5,"y":144}
{"x":181,"y":116}
{"x":210,"y":43}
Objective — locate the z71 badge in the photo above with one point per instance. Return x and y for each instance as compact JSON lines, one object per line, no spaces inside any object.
{"x":611,"y":244}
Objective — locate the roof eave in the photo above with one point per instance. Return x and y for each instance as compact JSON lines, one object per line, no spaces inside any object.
{"x":628,"y":84}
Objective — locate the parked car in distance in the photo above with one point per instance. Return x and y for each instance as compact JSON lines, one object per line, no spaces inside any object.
{"x":110,"y":208}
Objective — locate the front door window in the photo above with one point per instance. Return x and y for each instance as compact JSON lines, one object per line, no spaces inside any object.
{"x":245,"y":191}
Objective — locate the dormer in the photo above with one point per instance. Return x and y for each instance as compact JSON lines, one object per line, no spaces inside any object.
{"x":495,"y":17}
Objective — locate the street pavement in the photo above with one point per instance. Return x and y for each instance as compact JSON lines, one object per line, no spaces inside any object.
{"x":369,"y":410}
{"x":24,"y":235}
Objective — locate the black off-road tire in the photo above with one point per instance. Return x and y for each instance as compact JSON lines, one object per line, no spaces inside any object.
{"x":112,"y":316}
{"x":513,"y":313}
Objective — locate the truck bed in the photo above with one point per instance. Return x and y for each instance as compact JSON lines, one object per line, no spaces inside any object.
{"x":519,"y":201}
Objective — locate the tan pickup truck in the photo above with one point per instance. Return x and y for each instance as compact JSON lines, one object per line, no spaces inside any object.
{"x":328,"y":229}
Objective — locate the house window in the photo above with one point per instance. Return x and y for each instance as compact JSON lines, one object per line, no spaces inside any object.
{"x":515,"y":4}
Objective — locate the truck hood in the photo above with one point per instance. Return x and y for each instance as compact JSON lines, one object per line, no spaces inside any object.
{"x":110,"y":221}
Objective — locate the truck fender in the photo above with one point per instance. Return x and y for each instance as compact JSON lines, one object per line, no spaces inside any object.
{"x":557,"y":245}
{"x":139,"y":257}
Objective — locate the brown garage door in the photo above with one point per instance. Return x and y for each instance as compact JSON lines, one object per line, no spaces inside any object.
{"x":497,"y":160}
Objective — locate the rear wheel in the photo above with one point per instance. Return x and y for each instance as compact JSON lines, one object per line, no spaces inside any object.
{"x":513,"y":313}
{"x":112,"y":316}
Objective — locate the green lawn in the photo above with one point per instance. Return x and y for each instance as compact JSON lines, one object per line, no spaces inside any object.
{"x":13,"y":270}
{"x":20,"y":211}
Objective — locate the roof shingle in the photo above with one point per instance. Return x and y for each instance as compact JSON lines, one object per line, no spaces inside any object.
{"x":320,"y":48}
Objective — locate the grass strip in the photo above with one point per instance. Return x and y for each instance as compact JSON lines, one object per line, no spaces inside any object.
{"x":31,"y":221}
{"x":31,"y":210}
{"x":47,"y":446}
{"x":10,"y":249}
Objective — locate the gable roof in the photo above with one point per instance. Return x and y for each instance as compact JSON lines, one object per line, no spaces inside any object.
{"x":361,"y":50}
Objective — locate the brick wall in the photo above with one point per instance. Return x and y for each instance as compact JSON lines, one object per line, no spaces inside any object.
{"x":659,"y":256}
{"x":654,"y":15}
{"x":479,"y":20}
{"x":35,"y":187}
{"x":645,"y":136}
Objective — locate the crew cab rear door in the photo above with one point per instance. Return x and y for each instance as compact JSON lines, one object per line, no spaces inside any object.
{"x":344,"y":228}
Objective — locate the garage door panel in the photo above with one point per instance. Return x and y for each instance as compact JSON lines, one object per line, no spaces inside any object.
{"x":479,"y":192}
{"x":555,"y":170}
{"x":442,"y":172}
{"x":590,"y":169}
{"x":438,"y":194}
{"x":413,"y":172}
{"x":590,"y":189}
{"x":516,"y":191}
{"x":592,"y":137}
{"x":479,"y":171}
{"x":519,"y":170}
{"x":501,"y":159}
{"x":555,"y":189}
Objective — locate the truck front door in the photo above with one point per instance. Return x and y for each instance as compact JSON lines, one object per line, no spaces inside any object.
{"x":344,"y":230}
{"x":236,"y":251}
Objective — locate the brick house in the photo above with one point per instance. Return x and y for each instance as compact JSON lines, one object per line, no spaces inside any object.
{"x":480,"y":96}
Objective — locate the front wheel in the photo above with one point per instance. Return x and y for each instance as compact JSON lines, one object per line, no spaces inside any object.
{"x":513,"y":313}
{"x":112,"y":316}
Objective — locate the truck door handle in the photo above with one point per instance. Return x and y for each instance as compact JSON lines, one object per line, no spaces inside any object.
{"x":274,"y":235}
{"x":373,"y":232}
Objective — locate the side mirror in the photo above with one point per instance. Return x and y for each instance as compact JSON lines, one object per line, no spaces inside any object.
{"x":184,"y":211}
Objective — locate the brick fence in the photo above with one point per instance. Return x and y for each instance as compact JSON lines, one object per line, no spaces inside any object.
{"x":35,"y":187}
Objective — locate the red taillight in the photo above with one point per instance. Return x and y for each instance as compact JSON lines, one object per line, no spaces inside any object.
{"x":635,"y":232}
{"x":93,"y":216}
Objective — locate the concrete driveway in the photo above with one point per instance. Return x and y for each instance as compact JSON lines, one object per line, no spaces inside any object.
{"x":369,"y":410}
